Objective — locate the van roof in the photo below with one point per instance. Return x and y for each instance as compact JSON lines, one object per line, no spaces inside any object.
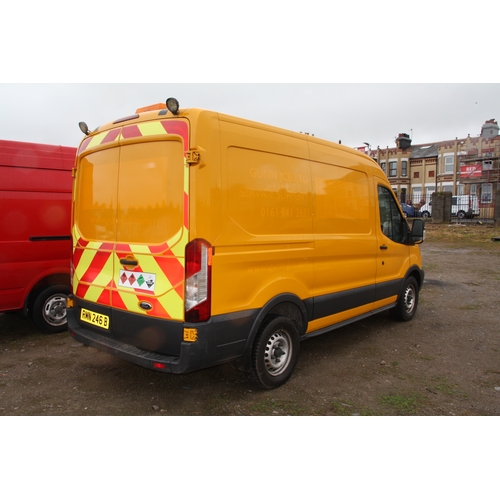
{"x":158,"y":111}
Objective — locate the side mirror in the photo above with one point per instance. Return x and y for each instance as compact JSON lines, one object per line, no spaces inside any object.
{"x":418,"y":231}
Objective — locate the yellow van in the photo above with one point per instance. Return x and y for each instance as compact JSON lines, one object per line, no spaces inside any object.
{"x":201,"y":238}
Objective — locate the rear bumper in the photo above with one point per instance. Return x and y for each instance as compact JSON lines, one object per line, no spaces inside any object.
{"x":128,"y":352}
{"x":221,"y":340}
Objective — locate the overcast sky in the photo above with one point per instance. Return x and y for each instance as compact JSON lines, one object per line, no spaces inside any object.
{"x":351,"y":113}
{"x":261,"y":41}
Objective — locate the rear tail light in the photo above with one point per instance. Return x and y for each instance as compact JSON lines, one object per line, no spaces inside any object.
{"x":198,"y":281}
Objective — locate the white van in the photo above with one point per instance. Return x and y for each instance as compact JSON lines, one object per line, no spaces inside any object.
{"x":465,"y":206}
{"x":462,"y":206}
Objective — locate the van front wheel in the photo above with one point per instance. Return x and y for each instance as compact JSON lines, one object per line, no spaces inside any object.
{"x":275,"y":352}
{"x":407,"y":304}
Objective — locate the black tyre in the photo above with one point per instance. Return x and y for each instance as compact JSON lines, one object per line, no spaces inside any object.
{"x":49,"y":309}
{"x":407,"y":304}
{"x":426,"y":214}
{"x":275,"y":353}
{"x":461,"y":214}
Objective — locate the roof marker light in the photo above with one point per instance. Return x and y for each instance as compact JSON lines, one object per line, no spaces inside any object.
{"x":84,"y":128}
{"x":173,"y":105}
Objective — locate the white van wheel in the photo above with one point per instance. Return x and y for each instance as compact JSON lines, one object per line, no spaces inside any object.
{"x":275,"y":353}
{"x":407,"y":304}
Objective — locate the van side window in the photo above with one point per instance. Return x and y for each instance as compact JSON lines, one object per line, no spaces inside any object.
{"x":391,"y":221}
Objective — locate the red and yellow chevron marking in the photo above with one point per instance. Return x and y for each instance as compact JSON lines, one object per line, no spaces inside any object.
{"x":97,"y":264}
{"x":145,"y":129}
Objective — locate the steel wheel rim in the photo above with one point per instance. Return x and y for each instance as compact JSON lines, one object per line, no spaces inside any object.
{"x":410,"y":299}
{"x":54,"y":310}
{"x":278,"y":353}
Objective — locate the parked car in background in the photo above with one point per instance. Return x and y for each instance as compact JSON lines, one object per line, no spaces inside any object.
{"x":410,"y":210}
{"x":35,"y":231}
{"x":426,"y":210}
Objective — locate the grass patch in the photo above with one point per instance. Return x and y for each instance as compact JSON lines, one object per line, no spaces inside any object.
{"x":470,"y":233}
{"x":430,"y":267}
{"x":444,"y":386}
{"x":391,"y":367}
{"x":277,"y":407}
{"x":470,"y":307}
{"x":427,"y":358}
{"x":402,"y":404}
{"x":344,"y":409}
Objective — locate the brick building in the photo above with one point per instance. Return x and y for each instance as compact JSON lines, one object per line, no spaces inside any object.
{"x":459,"y":166}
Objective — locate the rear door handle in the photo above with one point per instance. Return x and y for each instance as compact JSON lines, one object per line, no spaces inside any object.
{"x":127,"y":262}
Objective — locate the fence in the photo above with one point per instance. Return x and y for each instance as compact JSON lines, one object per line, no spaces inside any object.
{"x":460,"y":208}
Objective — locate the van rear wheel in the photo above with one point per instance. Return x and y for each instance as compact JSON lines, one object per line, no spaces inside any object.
{"x":275,"y":353}
{"x":407,"y":304}
{"x":49,"y":309}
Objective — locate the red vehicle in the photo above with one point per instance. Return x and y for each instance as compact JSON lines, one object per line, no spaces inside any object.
{"x":35,"y":231}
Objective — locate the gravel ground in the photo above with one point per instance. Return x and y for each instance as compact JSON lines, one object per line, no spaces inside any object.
{"x":444,"y":362}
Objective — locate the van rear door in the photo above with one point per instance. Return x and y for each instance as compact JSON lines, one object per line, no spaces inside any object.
{"x":130,"y":227}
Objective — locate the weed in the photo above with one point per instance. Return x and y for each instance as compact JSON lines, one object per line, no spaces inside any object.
{"x":276,"y":407}
{"x":343,"y":408}
{"x":427,"y":358}
{"x":430,"y":267}
{"x":444,"y":386}
{"x":470,"y":307}
{"x":404,"y":404}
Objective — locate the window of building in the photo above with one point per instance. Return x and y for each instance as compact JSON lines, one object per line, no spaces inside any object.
{"x":417,"y":195}
{"x":404,"y":168}
{"x":473,"y":189}
{"x":487,"y":165}
{"x":393,"y":169}
{"x":428,"y":195}
{"x":416,"y":175}
{"x":382,"y":166}
{"x":431,"y":173}
{"x":449,"y":163}
{"x":487,"y":193}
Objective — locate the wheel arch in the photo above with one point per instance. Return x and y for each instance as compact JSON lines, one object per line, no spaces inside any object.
{"x":287,"y":305}
{"x":42,"y":284}
{"x":417,"y":273}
